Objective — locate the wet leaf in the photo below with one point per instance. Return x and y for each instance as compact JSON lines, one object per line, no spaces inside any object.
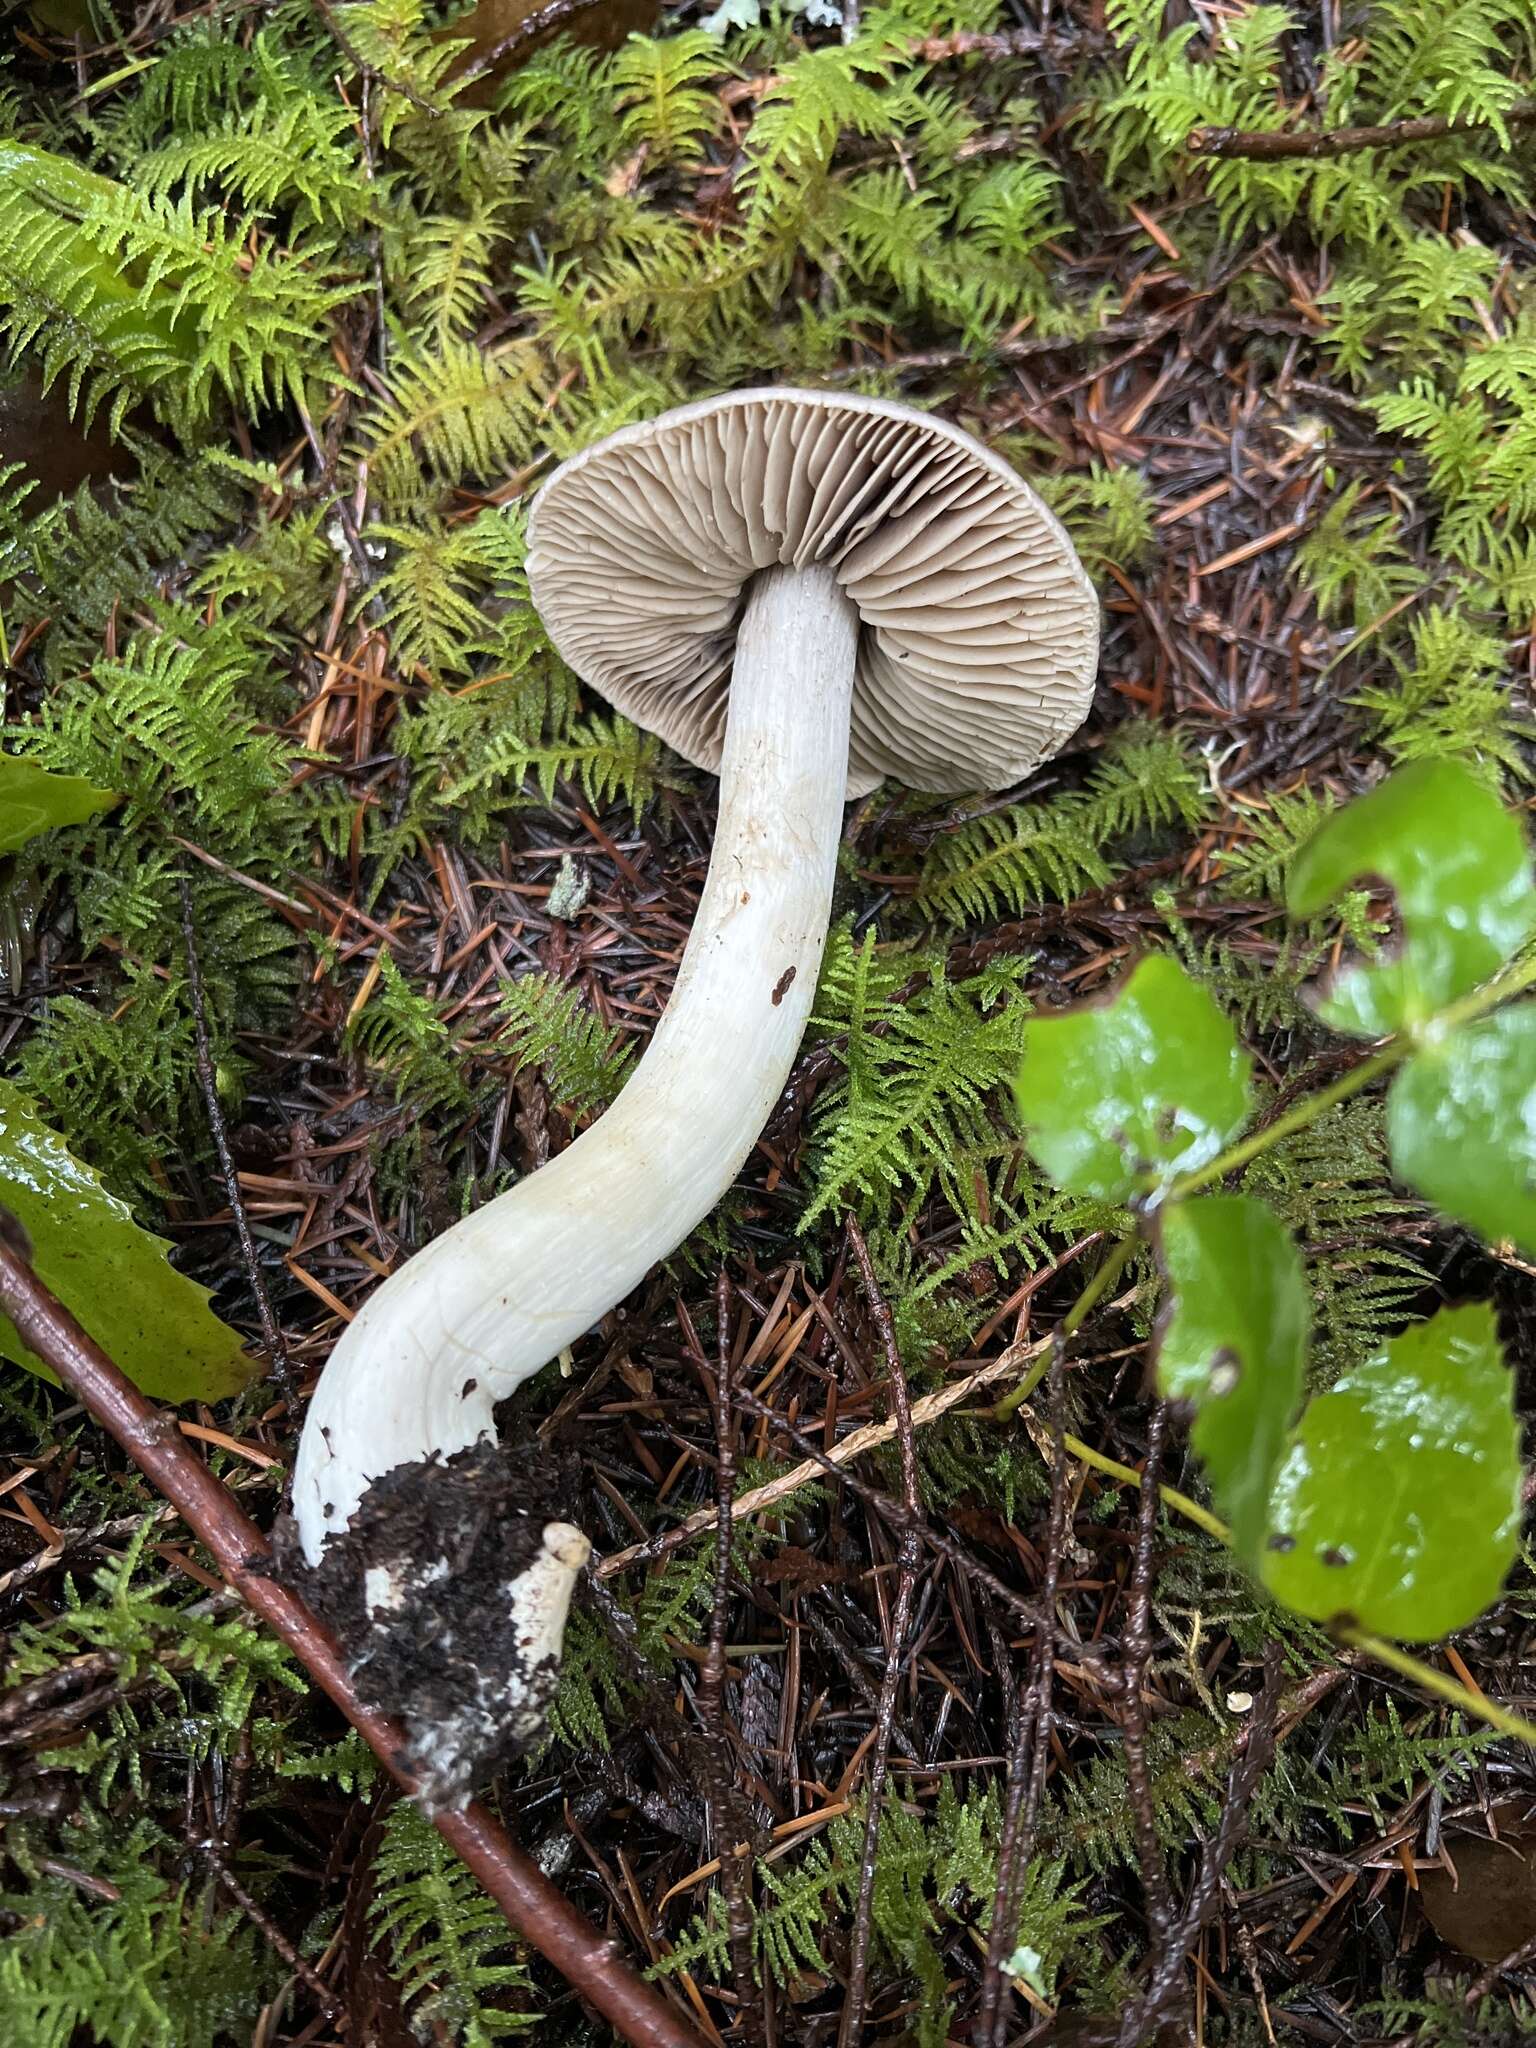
{"x":1397,"y":1505}
{"x":1234,"y":1344}
{"x":1148,"y":1085}
{"x":1488,"y":1908}
{"x":33,"y":801}
{"x":1457,"y":862}
{"x":21,"y":902}
{"x":58,"y":452}
{"x":1462,"y":1123}
{"x":154,"y":1321}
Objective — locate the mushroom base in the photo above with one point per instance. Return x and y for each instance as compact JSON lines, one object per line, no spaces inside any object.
{"x":428,"y":1591}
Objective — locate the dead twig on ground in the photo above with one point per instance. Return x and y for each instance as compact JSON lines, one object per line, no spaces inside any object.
{"x":731,"y":1844}
{"x":1145,"y":2016}
{"x":1031,"y":1739}
{"x":850,"y":2027}
{"x":1137,"y":1647}
{"x":1009,"y":1364}
{"x":1266,"y":146}
{"x":207,"y":1081}
{"x":151,"y":1438}
{"x":542,"y":22}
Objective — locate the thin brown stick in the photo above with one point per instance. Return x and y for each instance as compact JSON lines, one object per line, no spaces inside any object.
{"x":852,"y":1446}
{"x":151,"y":1438}
{"x":1137,"y":1646}
{"x":364,"y":69}
{"x":543,"y":21}
{"x":997,"y":45}
{"x":1031,"y":1738}
{"x":730,"y":1844}
{"x":1267,"y":146}
{"x":851,"y":2026}
{"x":1489,"y":1980}
{"x":207,"y":1081}
{"x":1145,"y":2016}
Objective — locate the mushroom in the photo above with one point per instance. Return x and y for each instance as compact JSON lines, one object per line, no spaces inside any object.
{"x":803,"y":592}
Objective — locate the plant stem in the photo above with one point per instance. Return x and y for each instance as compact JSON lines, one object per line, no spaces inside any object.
{"x":1512,"y":982}
{"x":418,"y":1372}
{"x":1181,"y":1503}
{"x":1102,"y":1281}
{"x":1444,"y":1687}
{"x":1377,"y":1648}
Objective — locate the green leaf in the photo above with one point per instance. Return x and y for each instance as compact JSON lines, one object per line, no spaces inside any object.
{"x":1234,"y":1343}
{"x":1150,"y":1083}
{"x":32,"y":801}
{"x":1397,"y":1506}
{"x":153,"y":1321}
{"x":1462,"y":1123}
{"x":1456,"y":860}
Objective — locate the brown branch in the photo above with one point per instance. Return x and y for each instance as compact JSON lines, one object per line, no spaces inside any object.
{"x":1144,"y":2017}
{"x":364,"y":69}
{"x":1031,"y":1739}
{"x":1005,"y":1366}
{"x":1267,"y":146}
{"x":851,"y":2027}
{"x":732,"y":1842}
{"x":1137,"y":1651}
{"x":207,"y":1080}
{"x":539,"y":1913}
{"x":998,"y":46}
{"x":543,"y":21}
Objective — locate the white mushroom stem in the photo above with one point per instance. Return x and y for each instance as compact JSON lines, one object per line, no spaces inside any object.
{"x":496,"y":1297}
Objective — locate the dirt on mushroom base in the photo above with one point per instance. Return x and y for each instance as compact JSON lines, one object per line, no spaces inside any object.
{"x":448,"y":1536}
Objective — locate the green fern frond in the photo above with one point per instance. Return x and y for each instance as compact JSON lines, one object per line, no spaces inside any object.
{"x":448,"y":1943}
{"x":124,"y":293}
{"x":915,"y":1101}
{"x":661,"y":92}
{"x":399,"y":1033}
{"x":139,"y":1965}
{"x":457,"y":412}
{"x":1024,"y":854}
{"x":302,"y":157}
{"x":546,"y":1026}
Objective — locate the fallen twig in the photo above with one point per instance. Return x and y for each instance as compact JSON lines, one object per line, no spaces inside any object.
{"x":543,"y":21}
{"x":851,"y":2026}
{"x":732,"y":1840}
{"x":1031,"y":1740}
{"x":533,"y":1907}
{"x":1137,"y":1649}
{"x":1267,"y":145}
{"x":207,"y":1080}
{"x":761,"y":1498}
{"x":1143,"y":2019}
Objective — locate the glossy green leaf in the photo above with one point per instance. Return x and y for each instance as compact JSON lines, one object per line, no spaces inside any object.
{"x":1462,"y":1122}
{"x":154,"y":1321}
{"x":33,"y":801}
{"x":1457,"y":862}
{"x":1397,"y":1506}
{"x":1147,"y":1085}
{"x":1233,"y":1343}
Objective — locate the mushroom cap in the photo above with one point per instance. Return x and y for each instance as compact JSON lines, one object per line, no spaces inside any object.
{"x":979,"y":631}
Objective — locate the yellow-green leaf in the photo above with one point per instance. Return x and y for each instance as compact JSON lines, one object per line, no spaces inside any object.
{"x":1462,"y":1122}
{"x":1233,"y":1344}
{"x":1397,"y":1506}
{"x":1456,"y":860}
{"x":32,"y":801}
{"x":154,"y":1321}
{"x":1135,"y":1090}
